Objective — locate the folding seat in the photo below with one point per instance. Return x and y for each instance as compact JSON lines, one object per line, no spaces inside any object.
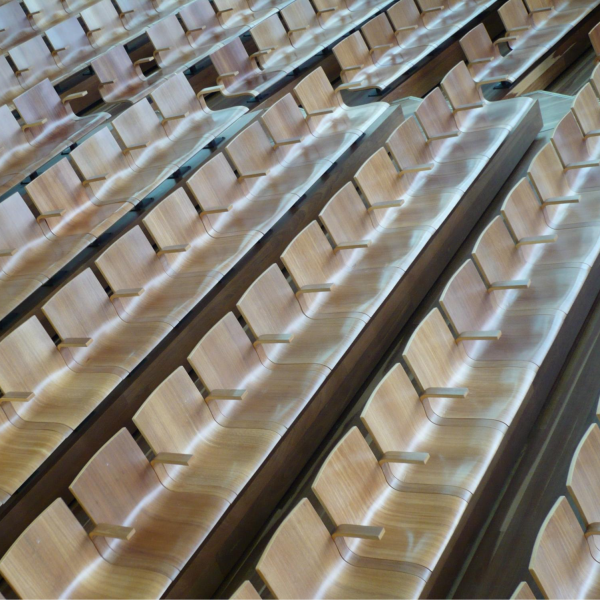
{"x":293,"y":139}
{"x":67,"y":565}
{"x":320,"y":569}
{"x":72,"y":48}
{"x":122,"y":80}
{"x":409,"y":148}
{"x":594,"y":39}
{"x":242,"y":391}
{"x":486,"y":63}
{"x":262,"y":165}
{"x":50,"y":119}
{"x":457,"y":387}
{"x":361,"y":69}
{"x":418,"y":454}
{"x":203,"y":26}
{"x":470,"y":107}
{"x":38,"y":385}
{"x":445,"y":138}
{"x":43,"y":14}
{"x":10,"y":86}
{"x":233,"y":14}
{"x":146,"y":144}
{"x":562,"y":564}
{"x":391,"y":203}
{"x":239,"y":73}
{"x":519,"y":284}
{"x":139,"y":522}
{"x":104,"y":26}
{"x":284,"y":334}
{"x":143,"y":289}
{"x":15,"y":27}
{"x":94,"y":337}
{"x":108,"y":176}
{"x":325,"y":110}
{"x":275,"y":48}
{"x":246,"y":591}
{"x":304,"y":26}
{"x":33,"y":62}
{"x":227,"y":206}
{"x":193,"y":453}
{"x":136,"y":15}
{"x":185,"y":245}
{"x":406,"y":531}
{"x":27,"y":252}
{"x":523,"y":592}
{"x":410,"y":30}
{"x":489,"y":332}
{"x":363,"y":245}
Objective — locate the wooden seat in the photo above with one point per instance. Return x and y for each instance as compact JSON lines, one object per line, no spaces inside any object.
{"x":143,"y":289}
{"x":470,"y":107}
{"x":586,"y":110}
{"x":65,"y":206}
{"x":391,"y":200}
{"x":320,"y":570}
{"x":523,"y":592}
{"x":336,"y":14}
{"x":16,"y":27}
{"x":119,"y":489}
{"x":490,"y":395}
{"x":14,"y":291}
{"x":489,"y":332}
{"x":136,"y":15}
{"x":561,"y":563}
{"x":326,"y":111}
{"x":33,"y":62}
{"x":193,"y":453}
{"x":409,"y":28}
{"x":304,"y":26}
{"x":518,"y":284}
{"x":284,"y":334}
{"x":419,"y":455}
{"x":122,"y":80}
{"x":272,"y":396}
{"x":409,"y":148}
{"x":546,"y":14}
{"x":594,"y":39}
{"x":239,"y":73}
{"x":204,"y":27}
{"x":246,"y":591}
{"x":446,"y":140}
{"x":50,"y":120}
{"x":67,"y":565}
{"x":186,"y":246}
{"x":369,"y":247}
{"x":263,"y":167}
{"x":43,"y":14}
{"x":94,"y":337}
{"x":10,"y":86}
{"x":234,"y":14}
{"x":46,"y":390}
{"x":104,"y":28}
{"x":408,"y":531}
{"x":227,"y":206}
{"x":72,"y":47}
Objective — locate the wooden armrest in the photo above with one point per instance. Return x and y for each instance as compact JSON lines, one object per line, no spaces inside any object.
{"x":21,"y":71}
{"x":586,"y":164}
{"x":442,"y":392}
{"x":315,"y":288}
{"x":141,"y":61}
{"x":74,"y":96}
{"x":8,"y":251}
{"x":225,"y":10}
{"x":352,"y":68}
{"x":51,"y":214}
{"x":34,"y":13}
{"x":253,"y":175}
{"x":129,"y":149}
{"x":263,"y":51}
{"x":173,"y":249}
{"x":348,"y":86}
{"x":109,"y":82}
{"x":125,"y":13}
{"x":209,"y":90}
{"x":158,"y":50}
{"x":320,"y":112}
{"x":228,"y":74}
{"x":91,"y":32}
{"x":432,"y":9}
{"x":226,"y":394}
{"x":492,"y":80}
{"x":520,"y":28}
{"x":57,"y":50}
{"x":352,"y":245}
{"x":17,"y":397}
{"x":503,"y":40}
{"x":326,"y":10}
{"x":39,"y":123}
{"x":406,"y":28}
{"x":297,"y":30}
{"x":417,"y":168}
{"x":541,"y":9}
{"x":274,"y":338}
{"x":593,"y":133}
{"x":592,"y":529}
{"x":83,"y":342}
{"x":468,"y":106}
{"x":513,"y":284}
{"x":175,"y":117}
{"x":217,"y":210}
{"x":561,"y":200}
{"x":537,"y":239}
{"x":409,"y":458}
{"x":443,"y":136}
{"x":384,"y":205}
{"x":112,"y":531}
{"x":485,"y":336}
{"x":380,"y":47}
{"x":362,"y":532}
{"x":172,"y":458}
{"x":289,"y":142}
{"x":196,"y":30}
{"x":95,"y":179}
{"x":127,"y":293}
{"x":479,"y":61}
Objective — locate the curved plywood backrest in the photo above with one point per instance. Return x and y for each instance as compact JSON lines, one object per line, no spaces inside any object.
{"x":11,"y":134}
{"x":251,"y":151}
{"x":33,"y":61}
{"x":297,"y":15}
{"x":522,"y":211}
{"x":595,"y":80}
{"x":285,"y":121}
{"x":514,"y":14}
{"x":459,"y":87}
{"x":196,"y":15}
{"x":233,"y":57}
{"x":18,"y":227}
{"x":435,"y":116}
{"x":246,"y":591}
{"x":41,"y":102}
{"x":168,"y":37}
{"x":139,"y":125}
{"x":99,"y":155}
{"x":339,"y":5}
{"x":315,"y":93}
{"x":569,"y":142}
{"x":548,"y":176}
{"x":175,"y":96}
{"x":9,"y":84}
{"x":271,"y":33}
{"x":69,"y":40}
{"x":595,"y":39}
{"x":408,"y":145}
{"x":14,"y":24}
{"x":379,"y":32}
{"x":115,"y":66}
{"x":586,"y":109}
{"x":103,"y":23}
{"x":136,"y":14}
{"x":350,"y":52}
{"x":405,"y":13}
{"x":238,"y":6}
{"x":477,"y":44}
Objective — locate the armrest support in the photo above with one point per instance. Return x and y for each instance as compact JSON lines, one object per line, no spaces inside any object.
{"x":485,"y":336}
{"x":127,"y":293}
{"x":407,"y":28}
{"x":159,"y":50}
{"x":175,"y":249}
{"x":592,"y":529}
{"x":521,"y":28}
{"x":175,"y":117}
{"x":362,"y":532}
{"x":297,"y":30}
{"x":562,"y":200}
{"x":141,"y":61}
{"x":225,"y":10}
{"x":253,"y":175}
{"x":479,"y":61}
{"x":320,"y":112}
{"x":263,"y":52}
{"x":326,"y":10}
{"x":129,"y":149}
{"x":39,"y":123}
{"x":95,"y":179}
{"x":352,"y":68}
{"x":112,"y":531}
{"x":513,"y":284}
{"x":209,"y":90}
{"x":195,"y":30}
{"x":226,"y":394}
{"x":217,"y":210}
{"x":348,"y":86}
{"x":416,"y":169}
{"x":352,"y":245}
{"x":51,"y":214}
{"x":432,"y":9}
{"x":83,"y":342}
{"x":541,"y":9}
{"x":409,"y":458}
{"x":586,"y":164}
{"x":17,"y":397}
{"x":109,"y":82}
{"x":380,"y":47}
{"x":537,"y":239}
{"x":21,"y":71}
{"x":289,"y":142}
{"x":56,"y":51}
{"x":274,"y":338}
{"x":7,"y":252}
{"x":172,"y":458}
{"x":384,"y":205}
{"x":467,"y":106}
{"x":125,"y":13}
{"x":593,"y":133}
{"x":443,"y":136}
{"x":74,"y":96}
{"x":506,"y":39}
{"x":442,"y":392}
{"x":228,"y":74}
{"x":315,"y":288}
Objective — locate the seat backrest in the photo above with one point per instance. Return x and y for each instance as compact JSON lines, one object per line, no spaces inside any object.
{"x":459,"y":87}
{"x":408,"y":145}
{"x":435,"y":115}
{"x":197,"y":14}
{"x":595,"y":80}
{"x":103,"y":16}
{"x":233,"y":57}
{"x":143,"y":12}
{"x":561,"y":563}
{"x":50,"y":555}
{"x":405,"y":13}
{"x":10,"y":86}
{"x":523,"y":213}
{"x":175,"y":96}
{"x":14,"y":24}
{"x":168,"y":33}
{"x":586,"y":109}
{"x":284,"y":121}
{"x":11,"y":135}
{"x":251,"y":150}
{"x":569,"y":142}
{"x":238,"y":6}
{"x":48,"y":11}
{"x":115,"y":65}
{"x":100,"y":154}
{"x":300,"y":557}
{"x":378,"y":32}
{"x":270,"y":33}
{"x":139,"y":125}
{"x":352,"y":51}
{"x":548,"y":177}
{"x":583,"y":481}
{"x":71,"y":36}
{"x":513,"y":15}
{"x":340,"y":6}
{"x":476,"y":43}
{"x":315,"y":92}
{"x":298,"y":14}
{"x":595,"y":39}
{"x":41,"y":102}
{"x":33,"y":59}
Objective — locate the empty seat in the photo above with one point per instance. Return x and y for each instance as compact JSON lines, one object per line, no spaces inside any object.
{"x":336,"y":13}
{"x":10,"y":85}
{"x":284,"y":334}
{"x":304,"y":26}
{"x":244,"y":392}
{"x":15,"y":27}
{"x":586,"y":110}
{"x":234,"y":14}
{"x":71,"y":46}
{"x":320,"y":570}
{"x":136,"y":14}
{"x":104,"y":28}
{"x":418,"y":454}
{"x":193,"y":453}
{"x":410,"y":30}
{"x":67,"y":565}
{"x":94,"y":337}
{"x":33,"y":62}
{"x":203,"y":26}
{"x":43,"y":14}
{"x":391,"y":526}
